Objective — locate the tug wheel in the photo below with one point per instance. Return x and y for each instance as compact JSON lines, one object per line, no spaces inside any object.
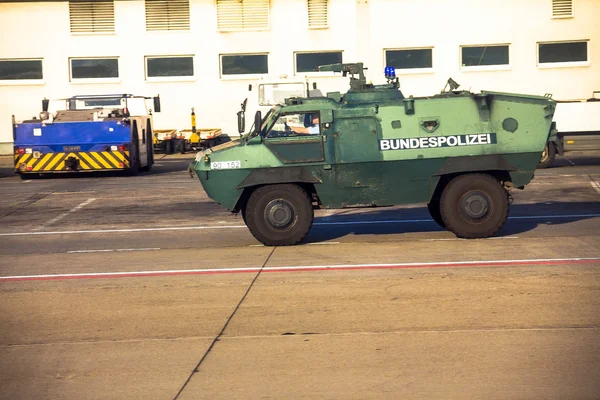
{"x":134,"y":155}
{"x":474,"y":206}
{"x":279,"y":215}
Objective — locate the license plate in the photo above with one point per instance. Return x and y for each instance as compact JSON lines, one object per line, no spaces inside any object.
{"x":226,"y":165}
{"x":72,"y":148}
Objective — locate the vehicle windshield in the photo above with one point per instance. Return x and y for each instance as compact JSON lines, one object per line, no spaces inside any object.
{"x":270,"y":94}
{"x":266,"y":121}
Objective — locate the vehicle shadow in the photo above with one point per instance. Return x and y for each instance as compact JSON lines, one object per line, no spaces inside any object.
{"x":522,"y":218}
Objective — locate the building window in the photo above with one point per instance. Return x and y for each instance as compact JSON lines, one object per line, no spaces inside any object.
{"x":92,"y":16}
{"x":409,"y":59}
{"x":94,"y":68}
{"x":309,"y":62}
{"x":176,"y":66}
{"x":562,"y":8}
{"x":167,"y":15}
{"x":242,"y":15}
{"x":244,"y":64}
{"x":317,"y":14}
{"x":13,"y":70}
{"x":482,"y":56}
{"x":563,"y":53}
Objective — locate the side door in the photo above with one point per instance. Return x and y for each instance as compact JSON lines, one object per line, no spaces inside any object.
{"x":296,"y":137}
{"x":357,"y":155}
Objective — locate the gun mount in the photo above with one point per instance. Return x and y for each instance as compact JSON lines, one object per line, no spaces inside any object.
{"x":352,"y":69}
{"x":360,"y":83}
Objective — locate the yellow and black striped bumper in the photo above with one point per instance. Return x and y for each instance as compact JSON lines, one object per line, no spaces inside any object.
{"x":86,"y":161}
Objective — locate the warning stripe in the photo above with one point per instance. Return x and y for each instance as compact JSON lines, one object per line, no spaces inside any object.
{"x":82,"y":162}
{"x":88,"y":161}
{"x":111,"y":159}
{"x":58,"y":159}
{"x":101,"y":160}
{"x":104,"y":159}
{"x":43,"y":161}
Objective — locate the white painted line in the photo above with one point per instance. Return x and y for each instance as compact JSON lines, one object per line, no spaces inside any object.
{"x":556,"y":216}
{"x":208,"y":227}
{"x":306,"y":268}
{"x":83,"y":191}
{"x":595,"y":185}
{"x":111,"y":250}
{"x":72,"y":210}
{"x":452,"y":239}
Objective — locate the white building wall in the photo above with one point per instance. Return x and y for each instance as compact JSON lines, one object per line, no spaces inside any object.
{"x":362,"y":29}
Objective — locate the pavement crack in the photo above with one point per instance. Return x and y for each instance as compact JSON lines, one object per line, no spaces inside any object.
{"x":218,"y":337}
{"x":29,"y":201}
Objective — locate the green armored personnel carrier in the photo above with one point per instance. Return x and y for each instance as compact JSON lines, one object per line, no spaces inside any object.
{"x":458,"y":152}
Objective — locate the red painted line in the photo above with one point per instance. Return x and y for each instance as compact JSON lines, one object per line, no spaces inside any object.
{"x":297,"y":269}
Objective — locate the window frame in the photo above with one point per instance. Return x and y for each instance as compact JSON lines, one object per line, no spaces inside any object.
{"x":242,"y":76}
{"x":495,"y":67}
{"x":565,"y":64}
{"x":409,"y":71}
{"x":94,"y":80}
{"x":23,"y":82}
{"x":187,"y":78}
{"x":315,"y":73}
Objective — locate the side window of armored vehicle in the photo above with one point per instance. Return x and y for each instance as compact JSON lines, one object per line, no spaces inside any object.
{"x":295,"y":124}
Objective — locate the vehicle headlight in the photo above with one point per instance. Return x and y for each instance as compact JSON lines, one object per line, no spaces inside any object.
{"x":201,"y":154}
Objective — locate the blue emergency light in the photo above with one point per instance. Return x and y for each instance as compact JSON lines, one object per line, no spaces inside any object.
{"x":390,"y":72}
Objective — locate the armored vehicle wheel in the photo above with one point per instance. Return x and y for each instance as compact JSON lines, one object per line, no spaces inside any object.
{"x":279,"y":215}
{"x":434,"y":209}
{"x":474,"y":206}
{"x":548,"y":156}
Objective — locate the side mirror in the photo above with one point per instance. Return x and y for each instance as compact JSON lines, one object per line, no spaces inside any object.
{"x":257,"y":122}
{"x":241,"y":122}
{"x":244,"y":104}
{"x":156,"y":104}
{"x":45,"y":103}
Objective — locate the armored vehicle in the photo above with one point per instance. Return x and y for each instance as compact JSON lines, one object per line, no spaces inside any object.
{"x":458,"y":152}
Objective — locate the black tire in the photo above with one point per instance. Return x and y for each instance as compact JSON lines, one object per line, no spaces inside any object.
{"x":279,"y":215}
{"x":548,"y":156}
{"x":149,"y":153}
{"x":474,"y":206}
{"x":243,"y":212}
{"x":150,"y":144}
{"x":434,"y":210}
{"x":134,"y":154}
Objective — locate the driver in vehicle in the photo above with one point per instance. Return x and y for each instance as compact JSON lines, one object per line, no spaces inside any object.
{"x":311,"y":130}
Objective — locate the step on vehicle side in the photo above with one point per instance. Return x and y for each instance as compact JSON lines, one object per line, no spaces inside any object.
{"x":457,"y":151}
{"x":87,"y":133}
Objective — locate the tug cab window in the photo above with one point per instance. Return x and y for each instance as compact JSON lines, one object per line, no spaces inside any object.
{"x":296,"y":124}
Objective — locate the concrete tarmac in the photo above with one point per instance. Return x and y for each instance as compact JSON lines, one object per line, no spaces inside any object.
{"x":152,"y":291}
